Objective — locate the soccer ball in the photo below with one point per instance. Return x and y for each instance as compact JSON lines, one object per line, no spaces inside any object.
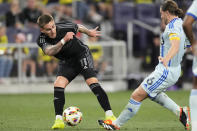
{"x":72,"y":116}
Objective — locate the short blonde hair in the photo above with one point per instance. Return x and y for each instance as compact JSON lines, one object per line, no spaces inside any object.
{"x":44,"y":19}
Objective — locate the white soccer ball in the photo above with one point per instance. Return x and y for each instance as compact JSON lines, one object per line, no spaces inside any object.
{"x":72,"y":116}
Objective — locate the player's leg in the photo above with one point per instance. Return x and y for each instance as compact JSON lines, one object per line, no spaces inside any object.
{"x":181,"y":112}
{"x":167,"y":102}
{"x":132,"y":106}
{"x":101,"y":96}
{"x":193,"y":97}
{"x":59,"y":101}
{"x":147,"y":88}
{"x":193,"y":104}
{"x":65,"y":75}
{"x":128,"y":112}
{"x":151,"y":86}
{"x":59,"y":97}
{"x":165,"y":81}
{"x":86,"y":65}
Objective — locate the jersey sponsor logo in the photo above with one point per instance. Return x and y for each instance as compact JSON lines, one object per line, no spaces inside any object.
{"x":85,"y":67}
{"x":42,"y":40}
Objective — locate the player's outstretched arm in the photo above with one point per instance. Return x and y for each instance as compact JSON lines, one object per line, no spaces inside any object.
{"x":51,"y":50}
{"x":90,"y":32}
{"x":187,"y":26}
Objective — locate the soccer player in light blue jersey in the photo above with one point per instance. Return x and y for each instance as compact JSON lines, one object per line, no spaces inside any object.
{"x":166,"y":73}
{"x":190,"y":18}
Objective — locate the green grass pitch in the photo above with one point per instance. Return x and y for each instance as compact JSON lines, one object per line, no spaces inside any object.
{"x":34,"y":112}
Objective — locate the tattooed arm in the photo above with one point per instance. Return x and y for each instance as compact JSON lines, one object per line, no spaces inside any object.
{"x":90,"y":32}
{"x":51,"y":50}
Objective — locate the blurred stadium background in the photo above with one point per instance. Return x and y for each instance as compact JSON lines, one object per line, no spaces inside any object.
{"x":124,"y":55}
{"x":126,"y":52}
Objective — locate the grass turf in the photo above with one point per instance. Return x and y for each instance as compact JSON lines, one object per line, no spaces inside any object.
{"x":34,"y":112}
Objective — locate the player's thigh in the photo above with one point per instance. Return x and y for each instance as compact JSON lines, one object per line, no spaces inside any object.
{"x":139,"y":94}
{"x":67,"y":71}
{"x":86,"y":60}
{"x":86,"y":65}
{"x":156,"y":82}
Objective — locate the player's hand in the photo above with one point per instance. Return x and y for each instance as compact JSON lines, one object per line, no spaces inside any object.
{"x":163,"y":61}
{"x":68,"y":36}
{"x":94,"y":32}
{"x":194,"y":48}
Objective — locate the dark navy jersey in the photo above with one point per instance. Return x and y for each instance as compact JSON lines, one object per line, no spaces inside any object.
{"x":71,"y":49}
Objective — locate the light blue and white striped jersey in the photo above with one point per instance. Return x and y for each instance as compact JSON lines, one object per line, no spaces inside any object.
{"x":173,"y":30}
{"x":192,"y":11}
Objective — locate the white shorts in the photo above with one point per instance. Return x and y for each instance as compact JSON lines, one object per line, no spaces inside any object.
{"x":160,"y":79}
{"x":194,"y":66}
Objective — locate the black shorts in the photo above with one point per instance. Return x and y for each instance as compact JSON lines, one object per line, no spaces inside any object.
{"x":83,"y":65}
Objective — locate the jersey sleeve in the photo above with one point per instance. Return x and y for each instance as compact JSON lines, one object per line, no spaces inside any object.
{"x":72,"y":27}
{"x":42,"y":42}
{"x":192,"y":11}
{"x":174,"y":32}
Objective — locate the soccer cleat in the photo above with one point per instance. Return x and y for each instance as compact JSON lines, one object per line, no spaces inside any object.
{"x":107,"y":124}
{"x":184,"y":117}
{"x":112,"y":118}
{"x":59,"y":124}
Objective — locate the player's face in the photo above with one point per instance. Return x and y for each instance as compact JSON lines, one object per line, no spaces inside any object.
{"x":164,"y":16}
{"x":50,"y":29}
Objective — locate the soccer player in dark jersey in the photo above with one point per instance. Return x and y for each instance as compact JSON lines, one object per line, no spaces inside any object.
{"x":59,"y":40}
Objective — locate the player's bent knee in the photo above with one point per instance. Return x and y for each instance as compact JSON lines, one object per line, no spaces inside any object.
{"x":139,"y":94}
{"x":91,"y":80}
{"x":61,"y":82}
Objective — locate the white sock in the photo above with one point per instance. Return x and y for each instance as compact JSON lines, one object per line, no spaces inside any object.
{"x":59,"y":117}
{"x":130,"y":110}
{"x":166,"y":102}
{"x":193,"y":109}
{"x":109,"y":113}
